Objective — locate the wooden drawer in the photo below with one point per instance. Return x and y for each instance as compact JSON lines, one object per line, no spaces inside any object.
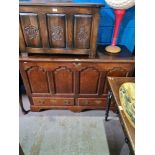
{"x":92,"y":101}
{"x":48,"y":101}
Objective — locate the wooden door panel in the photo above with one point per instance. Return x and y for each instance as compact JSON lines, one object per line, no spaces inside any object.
{"x":56,"y":30}
{"x":89,"y":79}
{"x":38,"y":80}
{"x":82,"y":31}
{"x":63,"y":80}
{"x":30,"y":29}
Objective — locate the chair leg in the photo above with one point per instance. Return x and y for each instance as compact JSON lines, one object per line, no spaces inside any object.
{"x":109,"y":97}
{"x":20,"y":150}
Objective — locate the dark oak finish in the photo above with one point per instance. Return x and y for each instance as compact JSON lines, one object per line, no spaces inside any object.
{"x":115,"y":83}
{"x":78,"y":81}
{"x":64,"y":28}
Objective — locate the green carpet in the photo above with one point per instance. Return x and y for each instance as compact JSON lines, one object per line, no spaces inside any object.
{"x":40,"y":135}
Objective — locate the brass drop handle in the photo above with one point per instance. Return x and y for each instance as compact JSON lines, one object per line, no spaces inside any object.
{"x":66,"y":102}
{"x":98,"y":102}
{"x":41,"y":102}
{"x":53,"y":101}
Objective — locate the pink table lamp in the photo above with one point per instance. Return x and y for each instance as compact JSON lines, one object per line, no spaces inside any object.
{"x":119,"y":7}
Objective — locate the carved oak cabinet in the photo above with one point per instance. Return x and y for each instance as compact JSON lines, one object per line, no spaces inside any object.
{"x":64,"y":28}
{"x":69,"y":82}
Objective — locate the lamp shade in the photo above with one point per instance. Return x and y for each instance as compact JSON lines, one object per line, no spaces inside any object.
{"x":120,"y":4}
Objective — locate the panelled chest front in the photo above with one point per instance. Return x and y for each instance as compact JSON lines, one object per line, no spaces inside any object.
{"x":70,"y":82}
{"x":64,"y":28}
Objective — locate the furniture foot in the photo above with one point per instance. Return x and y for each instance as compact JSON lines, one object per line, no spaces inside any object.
{"x":76,"y":109}
{"x":35,"y":109}
{"x":117,"y":111}
{"x":109,"y":97}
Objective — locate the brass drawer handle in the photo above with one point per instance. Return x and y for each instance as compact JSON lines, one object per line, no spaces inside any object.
{"x":40,"y":101}
{"x":66,"y":102}
{"x":53,"y":101}
{"x":98,"y":102}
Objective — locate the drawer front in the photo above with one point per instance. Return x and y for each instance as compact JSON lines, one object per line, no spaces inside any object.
{"x":47,"y":101}
{"x":92,"y":102}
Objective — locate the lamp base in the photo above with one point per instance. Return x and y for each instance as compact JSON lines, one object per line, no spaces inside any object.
{"x":112,"y":49}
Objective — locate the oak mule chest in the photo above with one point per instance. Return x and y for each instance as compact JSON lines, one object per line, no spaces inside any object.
{"x":72,"y":82}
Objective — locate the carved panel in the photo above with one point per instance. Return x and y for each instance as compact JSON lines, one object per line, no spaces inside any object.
{"x":56,"y":33}
{"x":38,"y":80}
{"x":117,"y":72}
{"x":56,"y":28}
{"x":63,"y":80}
{"x":89,"y":78}
{"x":82,"y":31}
{"x":30,"y":29}
{"x":82,"y":35}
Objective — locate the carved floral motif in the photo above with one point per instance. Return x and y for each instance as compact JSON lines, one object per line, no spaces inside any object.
{"x":31,"y":31}
{"x":82,"y":35}
{"x":56,"y":33}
